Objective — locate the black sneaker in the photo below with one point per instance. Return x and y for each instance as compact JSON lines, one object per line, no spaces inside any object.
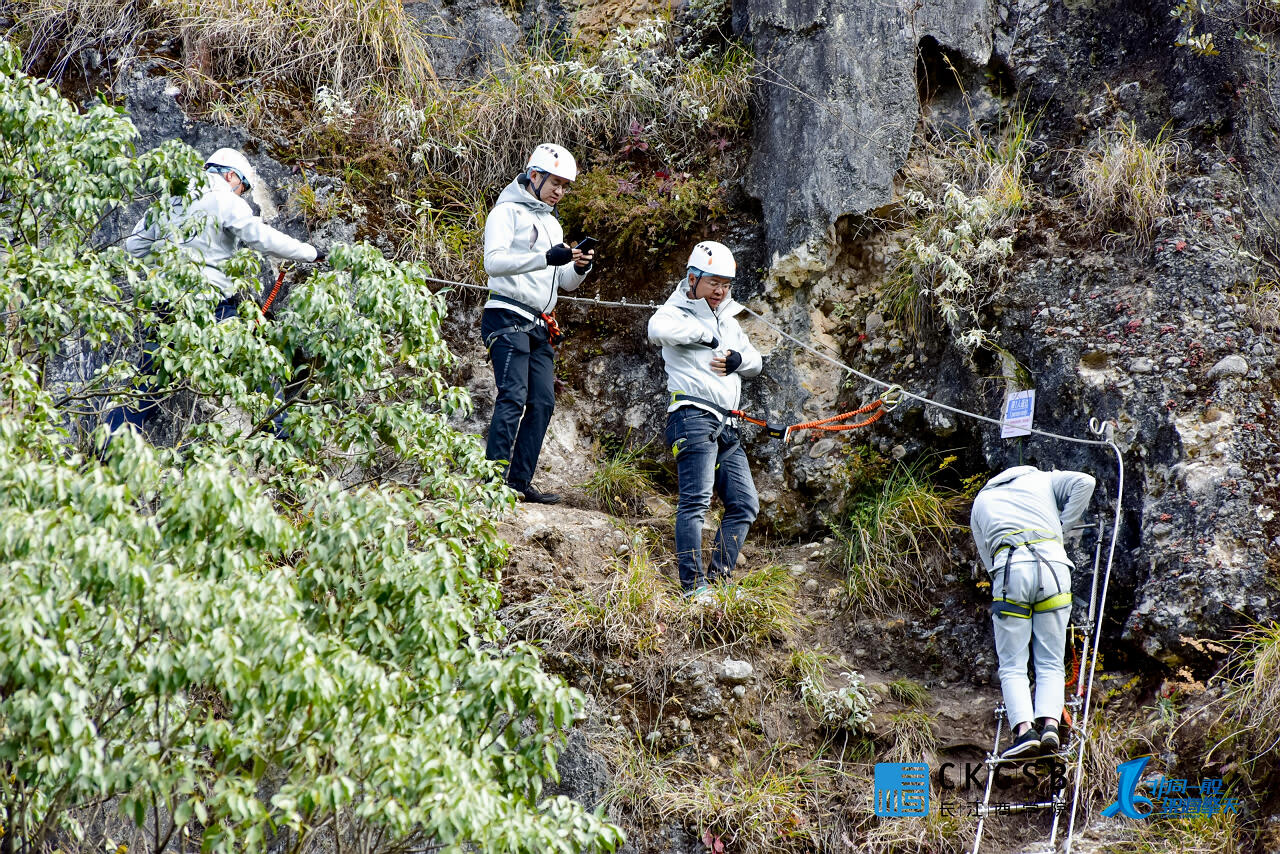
{"x":533,"y":496}
{"x":1027,"y":744}
{"x":1049,"y":740}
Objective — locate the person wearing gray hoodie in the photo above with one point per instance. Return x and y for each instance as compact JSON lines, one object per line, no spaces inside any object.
{"x":1018,"y":520}
{"x":706,"y":354}
{"x":528,"y":265}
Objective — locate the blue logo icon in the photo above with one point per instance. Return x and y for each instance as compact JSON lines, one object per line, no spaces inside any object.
{"x":1019,"y":407}
{"x":902,"y":789}
{"x":1127,"y":798}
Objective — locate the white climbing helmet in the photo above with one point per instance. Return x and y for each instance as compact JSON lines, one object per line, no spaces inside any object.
{"x":554,"y":160}
{"x":229,"y":158}
{"x":713,"y":259}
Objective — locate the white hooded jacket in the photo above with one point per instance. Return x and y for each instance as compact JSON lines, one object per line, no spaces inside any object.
{"x":684,"y":327}
{"x":519,"y":231}
{"x":1025,"y":504}
{"x":229,"y":224}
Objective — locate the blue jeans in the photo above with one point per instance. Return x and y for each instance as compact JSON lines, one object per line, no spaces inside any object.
{"x":704,"y":464}
{"x":524,"y":369}
{"x":149,"y":405}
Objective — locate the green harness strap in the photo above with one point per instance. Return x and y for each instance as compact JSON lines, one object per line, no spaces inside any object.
{"x":1003,"y":606}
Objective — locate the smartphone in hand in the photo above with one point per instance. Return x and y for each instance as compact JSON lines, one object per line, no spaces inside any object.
{"x":586,"y":244}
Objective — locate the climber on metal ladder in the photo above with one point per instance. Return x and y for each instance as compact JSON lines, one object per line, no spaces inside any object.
{"x":1021,"y":516}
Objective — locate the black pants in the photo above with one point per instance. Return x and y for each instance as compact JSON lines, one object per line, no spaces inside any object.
{"x":524,"y":368}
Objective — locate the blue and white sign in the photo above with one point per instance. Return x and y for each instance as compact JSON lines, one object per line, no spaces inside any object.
{"x":1019,"y":409}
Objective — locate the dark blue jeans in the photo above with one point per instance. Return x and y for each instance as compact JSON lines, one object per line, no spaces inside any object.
{"x":524,"y":368}
{"x":704,"y":465}
{"x":149,"y":405}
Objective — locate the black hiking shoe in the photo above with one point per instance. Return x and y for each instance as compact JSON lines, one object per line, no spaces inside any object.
{"x":1027,"y":744}
{"x":533,"y":496}
{"x":1049,"y":740}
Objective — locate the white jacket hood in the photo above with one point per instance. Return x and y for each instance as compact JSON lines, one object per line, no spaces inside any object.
{"x":229,"y":224}
{"x":685,"y":328}
{"x":517,"y":234}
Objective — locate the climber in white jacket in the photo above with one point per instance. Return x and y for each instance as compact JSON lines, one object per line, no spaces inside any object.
{"x":1018,"y":521}
{"x":528,"y":265}
{"x":210,"y":230}
{"x":224,"y":224}
{"x":706,"y":354}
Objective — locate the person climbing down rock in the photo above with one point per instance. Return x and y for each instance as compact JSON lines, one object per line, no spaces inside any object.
{"x":526,"y":259}
{"x":706,"y":354}
{"x":1018,"y":521}
{"x":223,"y":224}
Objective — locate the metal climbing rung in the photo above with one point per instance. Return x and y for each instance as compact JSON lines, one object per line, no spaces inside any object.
{"x":1072,"y":752}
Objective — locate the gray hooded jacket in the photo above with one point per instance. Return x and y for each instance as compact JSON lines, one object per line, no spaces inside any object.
{"x":1024,"y":503}
{"x":228,"y":224}
{"x":519,"y":231}
{"x":684,"y":327}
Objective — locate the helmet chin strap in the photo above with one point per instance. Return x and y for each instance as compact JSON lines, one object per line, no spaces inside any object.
{"x":537,"y":188}
{"x":697,"y":281}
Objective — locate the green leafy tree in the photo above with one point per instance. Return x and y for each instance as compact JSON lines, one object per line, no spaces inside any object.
{"x":235,"y":638}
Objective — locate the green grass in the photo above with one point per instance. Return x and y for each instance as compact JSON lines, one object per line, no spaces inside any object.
{"x":890,"y":540}
{"x":1209,"y":834}
{"x":621,"y":479}
{"x":756,"y":607}
{"x":1248,"y":708}
{"x":910,"y":693}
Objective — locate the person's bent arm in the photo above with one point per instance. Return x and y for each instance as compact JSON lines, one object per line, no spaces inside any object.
{"x":751,"y":361}
{"x":256,"y":234}
{"x":503,"y":259}
{"x":1073,"y":490}
{"x":138,"y":244}
{"x":670,"y":327}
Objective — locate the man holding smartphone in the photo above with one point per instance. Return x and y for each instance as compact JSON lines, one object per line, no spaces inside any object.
{"x":706,"y":354}
{"x":528,"y":265}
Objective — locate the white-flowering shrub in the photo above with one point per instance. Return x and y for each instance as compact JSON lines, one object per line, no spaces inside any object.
{"x":847,"y":708}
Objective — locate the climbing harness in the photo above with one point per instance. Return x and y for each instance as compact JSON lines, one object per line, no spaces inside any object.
{"x":1003,"y":606}
{"x":544,"y":321}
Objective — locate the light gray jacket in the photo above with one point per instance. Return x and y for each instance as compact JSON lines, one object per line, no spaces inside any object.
{"x":1023,"y":503}
{"x":519,"y":231}
{"x":228,"y":225}
{"x":683,"y":327}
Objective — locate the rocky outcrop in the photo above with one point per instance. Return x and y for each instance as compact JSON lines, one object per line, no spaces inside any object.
{"x":839,"y":102}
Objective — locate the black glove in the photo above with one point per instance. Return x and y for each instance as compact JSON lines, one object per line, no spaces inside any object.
{"x":732,"y":362}
{"x":558,"y":256}
{"x":712,"y":344}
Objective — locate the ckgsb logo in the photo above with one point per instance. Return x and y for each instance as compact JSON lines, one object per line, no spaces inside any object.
{"x":902,"y":789}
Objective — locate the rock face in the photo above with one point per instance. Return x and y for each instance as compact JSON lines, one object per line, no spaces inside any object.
{"x":465,"y":38}
{"x":839,"y":102}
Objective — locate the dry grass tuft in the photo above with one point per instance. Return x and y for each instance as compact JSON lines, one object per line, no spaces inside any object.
{"x":909,"y":692}
{"x":621,"y":479}
{"x":1207,"y":834}
{"x":628,"y":613}
{"x":889,"y":540}
{"x":1250,"y":703}
{"x":913,"y":737}
{"x":752,"y":810}
{"x":348,"y":44}
{"x":756,"y":607}
{"x":1123,"y":181}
